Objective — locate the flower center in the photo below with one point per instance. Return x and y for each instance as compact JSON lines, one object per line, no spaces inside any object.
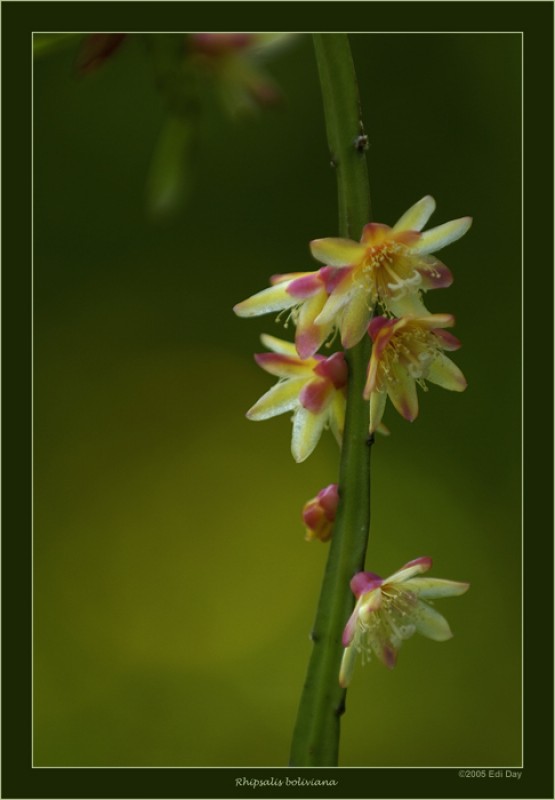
{"x":387,"y":626}
{"x":391,"y":269}
{"x":413,"y":349}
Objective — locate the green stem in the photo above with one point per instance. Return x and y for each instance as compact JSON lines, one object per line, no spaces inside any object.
{"x":316,"y":734}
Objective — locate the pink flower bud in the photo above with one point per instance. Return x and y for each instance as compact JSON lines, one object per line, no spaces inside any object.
{"x":319,"y":514}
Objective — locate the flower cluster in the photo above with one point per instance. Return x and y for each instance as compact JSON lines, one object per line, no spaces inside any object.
{"x":389,"y":270}
{"x":374,"y":287}
{"x":390,"y":610}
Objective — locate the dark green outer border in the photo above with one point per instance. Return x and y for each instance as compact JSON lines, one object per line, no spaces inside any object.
{"x":19,"y":19}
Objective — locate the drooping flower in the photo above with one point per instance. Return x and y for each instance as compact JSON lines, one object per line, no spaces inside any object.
{"x":233,"y":60}
{"x":319,"y":514}
{"x":389,"y":266}
{"x":313,"y":388}
{"x":390,"y":610}
{"x":408,"y":351}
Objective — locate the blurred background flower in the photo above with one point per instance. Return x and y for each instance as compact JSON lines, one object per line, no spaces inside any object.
{"x":151,"y":486}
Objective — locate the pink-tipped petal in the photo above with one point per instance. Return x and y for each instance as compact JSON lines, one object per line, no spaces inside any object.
{"x":280,"y":398}
{"x":437,"y":238}
{"x":280,"y":365}
{"x":417,"y":216}
{"x":276,"y":298}
{"x":446,"y":374}
{"x":310,"y":337}
{"x":446,"y":340}
{"x":304,"y":287}
{"x":336,"y":252}
{"x":415,"y":567}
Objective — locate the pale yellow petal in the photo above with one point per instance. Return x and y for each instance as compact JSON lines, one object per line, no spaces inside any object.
{"x":310,"y":336}
{"x":347,"y":666}
{"x":414,"y":567}
{"x":433,"y":588}
{"x":337,"y":252}
{"x":417,"y":216}
{"x":334,"y":307}
{"x":439,"y":237}
{"x":355,"y":319}
{"x":276,"y":298}
{"x":430,"y":623}
{"x":401,"y":388}
{"x":407,"y":305}
{"x":282,"y":397}
{"x":377,"y":408}
{"x":446,"y":374}
{"x":307,"y":429}
{"x":337,"y":416}
{"x":279,"y":345}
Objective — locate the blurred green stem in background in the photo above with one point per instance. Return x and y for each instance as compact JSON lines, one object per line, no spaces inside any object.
{"x":316,"y":734}
{"x":171,"y":174}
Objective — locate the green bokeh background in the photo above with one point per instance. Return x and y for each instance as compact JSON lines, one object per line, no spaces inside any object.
{"x":173,"y":590}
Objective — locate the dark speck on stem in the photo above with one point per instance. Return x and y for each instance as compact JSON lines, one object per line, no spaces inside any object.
{"x":340,"y":709}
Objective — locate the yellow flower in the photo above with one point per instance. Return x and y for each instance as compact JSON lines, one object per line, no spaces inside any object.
{"x":389,"y":266}
{"x":408,"y":351}
{"x":313,"y":388}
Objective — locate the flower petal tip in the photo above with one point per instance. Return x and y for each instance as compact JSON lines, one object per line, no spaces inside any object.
{"x":389,"y":657}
